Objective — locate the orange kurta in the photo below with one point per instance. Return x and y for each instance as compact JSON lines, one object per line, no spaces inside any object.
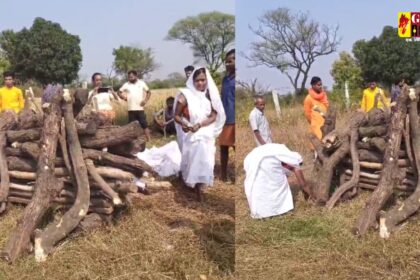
{"x":314,"y":104}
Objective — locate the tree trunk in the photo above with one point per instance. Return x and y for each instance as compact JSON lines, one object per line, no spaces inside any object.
{"x":396,"y":215}
{"x":388,"y":178}
{"x":46,"y":185}
{"x":54,"y":232}
{"x":112,"y":136}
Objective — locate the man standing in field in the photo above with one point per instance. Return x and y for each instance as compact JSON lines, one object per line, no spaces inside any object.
{"x":315,"y":106}
{"x":11,"y":97}
{"x":368,"y":99}
{"x":137,"y":94}
{"x":259,"y":123}
{"x":227,"y":137}
{"x":188,"y":70}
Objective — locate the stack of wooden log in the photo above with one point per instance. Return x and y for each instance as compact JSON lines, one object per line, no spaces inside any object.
{"x":52,"y":159}
{"x":379,"y":151}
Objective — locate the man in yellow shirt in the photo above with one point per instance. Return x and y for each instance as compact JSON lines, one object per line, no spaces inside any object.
{"x":369,"y":94}
{"x":11,"y":97}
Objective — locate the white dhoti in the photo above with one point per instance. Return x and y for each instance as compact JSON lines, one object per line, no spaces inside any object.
{"x":266,"y":186}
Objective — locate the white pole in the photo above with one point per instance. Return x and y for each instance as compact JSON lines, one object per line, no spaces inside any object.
{"x":276,"y":102}
{"x":346,"y":92}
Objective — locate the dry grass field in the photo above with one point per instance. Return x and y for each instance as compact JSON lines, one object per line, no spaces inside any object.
{"x":166,"y":235}
{"x":311,"y":242}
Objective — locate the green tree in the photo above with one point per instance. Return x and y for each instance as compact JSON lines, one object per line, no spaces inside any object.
{"x":45,"y":52}
{"x":132,"y":58}
{"x":291,"y":43}
{"x":346,"y":69}
{"x":387,"y":57}
{"x":4,"y":63}
{"x":210,"y":35}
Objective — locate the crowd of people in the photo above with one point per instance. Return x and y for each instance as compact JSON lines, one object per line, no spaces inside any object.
{"x":198,"y":115}
{"x":269,"y":164}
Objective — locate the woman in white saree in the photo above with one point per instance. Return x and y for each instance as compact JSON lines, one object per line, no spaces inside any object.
{"x":200,"y":114}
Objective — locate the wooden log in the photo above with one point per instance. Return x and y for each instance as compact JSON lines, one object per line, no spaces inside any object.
{"x":86,"y":128}
{"x":364,"y":174}
{"x":358,"y":119}
{"x":405,"y":181}
{"x":136,"y":165}
{"x":378,"y":143}
{"x":376,"y":117}
{"x":129,"y":149}
{"x":373,"y":131}
{"x":389,"y":177}
{"x":407,"y":142}
{"x":23,"y":175}
{"x":8,"y":120}
{"x":46,"y":186}
{"x":379,"y":166}
{"x":115,"y":173}
{"x":112,"y":136}
{"x":329,"y":121}
{"x":116,"y":200}
{"x":55,"y":231}
{"x":21,"y":164}
{"x":323,"y":186}
{"x":27,"y":135}
{"x":14,"y":152}
{"x":370,"y":156}
{"x":20,"y":187}
{"x":4,"y":173}
{"x":396,"y":215}
{"x":30,"y":149}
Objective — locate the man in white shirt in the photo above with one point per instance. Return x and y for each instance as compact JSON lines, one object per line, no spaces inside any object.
{"x":137,"y":94}
{"x":259,"y":123}
{"x":101,"y":98}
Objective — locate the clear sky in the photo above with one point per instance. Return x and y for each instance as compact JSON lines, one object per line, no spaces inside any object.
{"x":357,"y":19}
{"x":104,"y":25}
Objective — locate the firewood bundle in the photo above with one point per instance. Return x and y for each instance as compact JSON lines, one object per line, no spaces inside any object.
{"x":378,"y":151}
{"x":52,"y":159}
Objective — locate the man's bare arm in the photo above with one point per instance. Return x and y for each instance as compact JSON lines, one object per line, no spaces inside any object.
{"x":259,"y":137}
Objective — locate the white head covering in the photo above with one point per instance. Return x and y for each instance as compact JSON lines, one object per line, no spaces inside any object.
{"x":199,"y":106}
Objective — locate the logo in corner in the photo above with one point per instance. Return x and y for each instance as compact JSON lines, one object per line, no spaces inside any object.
{"x":404,"y":24}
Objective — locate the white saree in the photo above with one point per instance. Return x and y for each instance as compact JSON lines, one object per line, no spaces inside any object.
{"x":198,"y":149}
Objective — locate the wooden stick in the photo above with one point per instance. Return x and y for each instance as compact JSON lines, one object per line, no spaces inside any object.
{"x":26,"y":135}
{"x":101,"y":183}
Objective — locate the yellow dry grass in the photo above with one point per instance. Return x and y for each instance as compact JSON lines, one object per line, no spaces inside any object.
{"x":167,"y":235}
{"x":311,"y":242}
